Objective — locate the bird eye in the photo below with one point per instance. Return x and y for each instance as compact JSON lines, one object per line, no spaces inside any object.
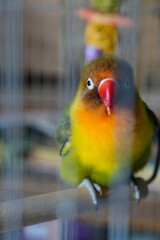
{"x":90,"y":84}
{"x":127,"y":83}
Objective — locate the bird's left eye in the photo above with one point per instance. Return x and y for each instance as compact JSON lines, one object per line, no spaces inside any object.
{"x":127,"y":83}
{"x":90,"y":84}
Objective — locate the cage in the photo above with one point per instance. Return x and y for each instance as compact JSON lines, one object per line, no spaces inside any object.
{"x":42,"y":56}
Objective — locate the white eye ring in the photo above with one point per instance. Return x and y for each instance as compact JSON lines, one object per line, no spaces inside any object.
{"x":90,"y":84}
{"x":127,"y":83}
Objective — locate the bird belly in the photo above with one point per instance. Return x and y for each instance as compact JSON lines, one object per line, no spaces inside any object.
{"x":99,"y":148}
{"x":108,"y":146}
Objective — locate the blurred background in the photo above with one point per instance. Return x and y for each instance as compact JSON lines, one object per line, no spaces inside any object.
{"x":43,"y":49}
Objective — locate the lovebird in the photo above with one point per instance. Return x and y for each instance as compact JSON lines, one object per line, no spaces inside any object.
{"x":106,"y":133}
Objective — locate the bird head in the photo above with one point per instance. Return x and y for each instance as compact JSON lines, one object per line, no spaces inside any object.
{"x":107,"y":82}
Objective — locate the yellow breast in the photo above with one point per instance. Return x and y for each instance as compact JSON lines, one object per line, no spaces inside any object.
{"x":105,"y":144}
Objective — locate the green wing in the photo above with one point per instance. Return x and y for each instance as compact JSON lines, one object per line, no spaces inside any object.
{"x":71,"y":171}
{"x":152,"y":116}
{"x":64,"y":133}
{"x":143,"y":159}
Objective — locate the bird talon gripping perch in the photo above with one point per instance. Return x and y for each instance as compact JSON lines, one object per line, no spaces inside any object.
{"x":91,"y":187}
{"x":108,"y":126}
{"x":139,"y":188}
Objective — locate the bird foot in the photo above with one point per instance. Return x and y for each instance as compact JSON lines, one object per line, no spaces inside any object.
{"x":98,"y":188}
{"x":135,"y":189}
{"x":139,"y":188}
{"x":92,"y":189}
{"x":136,"y":192}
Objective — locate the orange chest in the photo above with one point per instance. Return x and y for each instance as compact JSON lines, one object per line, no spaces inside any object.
{"x":98,"y":130}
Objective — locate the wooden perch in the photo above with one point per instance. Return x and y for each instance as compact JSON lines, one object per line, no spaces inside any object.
{"x":67,"y":203}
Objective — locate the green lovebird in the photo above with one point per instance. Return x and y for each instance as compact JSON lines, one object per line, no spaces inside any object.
{"x":106,"y":133}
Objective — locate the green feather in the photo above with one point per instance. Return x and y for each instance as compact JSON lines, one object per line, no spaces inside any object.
{"x":64,"y":132}
{"x":152,"y":116}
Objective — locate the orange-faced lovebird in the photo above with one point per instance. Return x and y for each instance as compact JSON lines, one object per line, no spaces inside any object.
{"x":106,"y":133}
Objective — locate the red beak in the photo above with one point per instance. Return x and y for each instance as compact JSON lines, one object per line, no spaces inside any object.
{"x":108,"y":90}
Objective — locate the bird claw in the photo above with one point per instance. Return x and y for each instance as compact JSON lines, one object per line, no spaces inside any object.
{"x":135,"y":189}
{"x":98,"y":188}
{"x":136,"y":192}
{"x":91,"y":187}
{"x":139,"y":188}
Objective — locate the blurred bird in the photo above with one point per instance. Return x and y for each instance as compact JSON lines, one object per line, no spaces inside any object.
{"x":106,"y":133}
